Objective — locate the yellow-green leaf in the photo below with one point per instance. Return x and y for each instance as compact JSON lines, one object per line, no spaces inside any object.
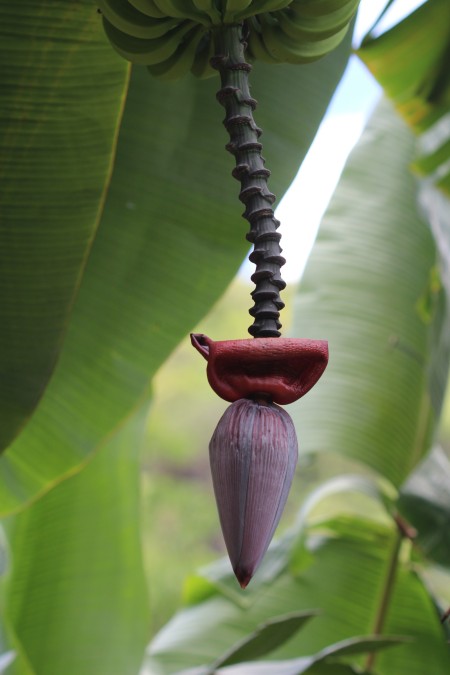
{"x":61,"y":97}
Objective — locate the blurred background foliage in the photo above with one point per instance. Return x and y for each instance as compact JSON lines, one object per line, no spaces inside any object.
{"x":117,"y":239}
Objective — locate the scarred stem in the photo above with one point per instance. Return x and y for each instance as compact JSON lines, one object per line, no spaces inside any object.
{"x":388,"y":588}
{"x":250,"y":170}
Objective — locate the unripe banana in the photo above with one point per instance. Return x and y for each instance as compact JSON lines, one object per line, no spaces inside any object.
{"x":201,"y":67}
{"x":181,"y":9}
{"x":146,"y":52}
{"x":287,"y":50}
{"x":161,"y":33}
{"x":182,"y":59}
{"x":208,"y":7}
{"x":257,"y":46}
{"x":148,"y":7}
{"x":299,"y":23}
{"x":232,"y":8}
{"x":131,"y":22}
{"x":261,"y":7}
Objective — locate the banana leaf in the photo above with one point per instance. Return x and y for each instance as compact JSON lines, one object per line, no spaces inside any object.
{"x":62,"y":96}
{"x":411,"y":62}
{"x":425,"y":501}
{"x":169,"y":241}
{"x":373,"y":289}
{"x":76,"y":597}
{"x":325,"y":662}
{"x":340,"y":572}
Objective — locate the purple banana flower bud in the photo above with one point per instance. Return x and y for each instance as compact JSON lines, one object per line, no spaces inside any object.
{"x":253,"y":454}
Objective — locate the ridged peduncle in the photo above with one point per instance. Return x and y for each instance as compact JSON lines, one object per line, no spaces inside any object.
{"x":234,"y":95}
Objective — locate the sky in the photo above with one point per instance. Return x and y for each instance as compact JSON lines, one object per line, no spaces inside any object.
{"x":346,"y":117}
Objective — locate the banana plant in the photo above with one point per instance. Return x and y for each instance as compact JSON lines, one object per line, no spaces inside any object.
{"x":67,"y":354}
{"x":105,"y":205}
{"x":172,"y":38}
{"x":377,"y":286}
{"x":365,"y":552}
{"x":111,"y":183}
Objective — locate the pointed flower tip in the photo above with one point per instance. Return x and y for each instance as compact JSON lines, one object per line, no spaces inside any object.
{"x":284,"y":369}
{"x":243,"y":576}
{"x":253,"y":454}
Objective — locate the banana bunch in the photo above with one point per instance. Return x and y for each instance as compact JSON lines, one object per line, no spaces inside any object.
{"x":173,"y":37}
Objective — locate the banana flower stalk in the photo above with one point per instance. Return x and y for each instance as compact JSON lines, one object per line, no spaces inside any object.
{"x":253,"y":451}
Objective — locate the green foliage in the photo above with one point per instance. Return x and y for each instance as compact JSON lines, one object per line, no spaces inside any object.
{"x":163,"y":253}
{"x":411,"y":63}
{"x":341,"y":579}
{"x":377,"y":404}
{"x":86,"y":612}
{"x":62,"y":96}
{"x":136,"y":179}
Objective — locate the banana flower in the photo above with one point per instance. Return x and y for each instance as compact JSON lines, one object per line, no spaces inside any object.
{"x":253,"y":451}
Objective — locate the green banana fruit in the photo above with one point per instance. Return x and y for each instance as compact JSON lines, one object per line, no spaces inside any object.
{"x":299,"y":24}
{"x":181,"y":9}
{"x":146,"y":52}
{"x":233,"y":7}
{"x":182,"y":60}
{"x":261,"y":7}
{"x":286,"y":50}
{"x":148,"y":7}
{"x":256,"y":45}
{"x":201,"y":67}
{"x":130,"y":21}
{"x":163,"y":35}
{"x":209,"y":8}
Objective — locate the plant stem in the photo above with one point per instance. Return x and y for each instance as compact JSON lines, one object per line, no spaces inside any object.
{"x":250,"y":170}
{"x":388,"y":588}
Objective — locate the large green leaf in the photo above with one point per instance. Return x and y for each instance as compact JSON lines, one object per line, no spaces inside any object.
{"x":264,"y":639}
{"x":372,"y":289}
{"x":325,"y":662}
{"x":76,"y":598}
{"x":170,"y":240}
{"x":322,"y":663}
{"x":411,"y":62}
{"x":62,"y":95}
{"x":340,"y":570}
{"x":436,"y":207}
{"x":425,"y":500}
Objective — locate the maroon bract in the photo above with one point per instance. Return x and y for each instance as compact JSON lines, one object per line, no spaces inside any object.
{"x":253,"y":454}
{"x":281,"y":369}
{"x":253,"y":451}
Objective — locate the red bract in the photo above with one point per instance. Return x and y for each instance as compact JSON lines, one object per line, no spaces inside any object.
{"x":282,"y":369}
{"x":253,"y":453}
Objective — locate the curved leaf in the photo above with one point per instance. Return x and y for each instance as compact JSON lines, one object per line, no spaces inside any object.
{"x":264,"y":639}
{"x":322,"y":662}
{"x":425,"y":501}
{"x":370,"y":289}
{"x":62,"y":94}
{"x":77,"y":594}
{"x":411,"y":62}
{"x":169,"y":241}
{"x":344,"y":578}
